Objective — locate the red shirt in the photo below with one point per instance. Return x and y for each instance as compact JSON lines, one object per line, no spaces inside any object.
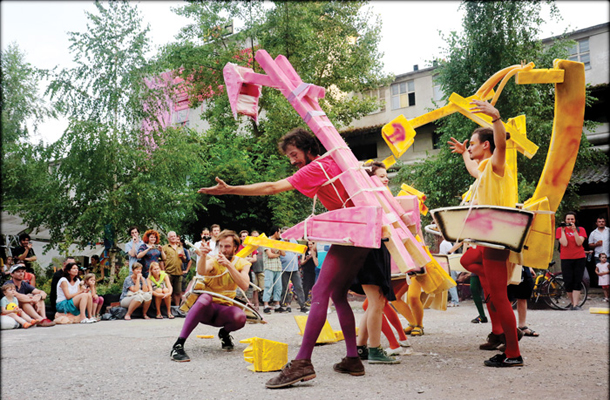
{"x":571,"y":251}
{"x":309,"y":180}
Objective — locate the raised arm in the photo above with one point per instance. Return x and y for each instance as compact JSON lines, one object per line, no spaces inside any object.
{"x":255,"y":189}
{"x":498,"y":157}
{"x":460,"y":148}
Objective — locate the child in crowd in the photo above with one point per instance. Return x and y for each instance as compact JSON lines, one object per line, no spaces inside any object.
{"x":602,"y":270}
{"x":98,"y":301}
{"x":10,"y":306}
{"x":161,"y":287}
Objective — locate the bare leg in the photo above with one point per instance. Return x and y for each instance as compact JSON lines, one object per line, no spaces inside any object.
{"x":158,"y":295}
{"x":374,"y":313}
{"x":29,"y":309}
{"x":522,"y":311}
{"x":81,"y":302}
{"x":575,"y":297}
{"x":132,"y":307}
{"x":145,"y":309}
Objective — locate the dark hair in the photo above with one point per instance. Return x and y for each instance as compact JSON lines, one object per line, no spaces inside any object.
{"x":131,"y":228}
{"x":487,"y":135}
{"x":227,"y":233}
{"x":601,"y":216}
{"x":302,"y":140}
{"x":571,"y":213}
{"x":67,"y":269}
{"x":205,"y":228}
{"x":24,"y":236}
{"x":373,"y":166}
{"x":273,"y":229}
{"x":96,"y":257}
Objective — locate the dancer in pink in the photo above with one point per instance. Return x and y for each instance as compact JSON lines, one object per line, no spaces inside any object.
{"x":341,"y":264}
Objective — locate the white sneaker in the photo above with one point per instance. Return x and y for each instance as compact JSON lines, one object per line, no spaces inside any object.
{"x":395,"y":352}
{"x":404,"y":343}
{"x":85,"y":321}
{"x":92,"y":320}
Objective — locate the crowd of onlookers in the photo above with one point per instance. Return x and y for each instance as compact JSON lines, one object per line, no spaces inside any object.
{"x":158,"y":275}
{"x":162,"y":273}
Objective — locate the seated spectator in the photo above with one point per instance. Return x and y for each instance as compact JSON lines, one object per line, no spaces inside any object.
{"x":72,"y":297}
{"x":136,"y":292}
{"x":10,"y":307}
{"x":31,"y":300}
{"x":150,"y":251}
{"x":161,"y":289}
{"x":98,"y":301}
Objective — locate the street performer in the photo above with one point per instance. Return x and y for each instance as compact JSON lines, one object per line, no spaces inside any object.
{"x":223,"y":274}
{"x":341,"y":264}
{"x":485,"y":159}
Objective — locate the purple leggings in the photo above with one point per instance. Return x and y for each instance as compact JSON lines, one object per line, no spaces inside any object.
{"x":205,"y":311}
{"x":340,"y":268}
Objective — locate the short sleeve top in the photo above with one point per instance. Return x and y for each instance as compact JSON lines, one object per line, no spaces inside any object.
{"x":571,"y":251}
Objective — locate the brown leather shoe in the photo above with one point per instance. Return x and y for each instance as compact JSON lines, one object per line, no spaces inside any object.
{"x":493,"y":341}
{"x":293,"y":372}
{"x":350,"y":365}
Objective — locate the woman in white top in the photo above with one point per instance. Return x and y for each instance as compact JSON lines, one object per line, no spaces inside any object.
{"x":72,"y":297}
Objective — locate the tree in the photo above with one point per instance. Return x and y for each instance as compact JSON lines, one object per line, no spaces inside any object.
{"x":99,"y":178}
{"x":330,"y":44}
{"x":496,"y":35}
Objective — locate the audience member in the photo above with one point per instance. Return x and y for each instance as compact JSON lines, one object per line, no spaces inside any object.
{"x":97,"y":269}
{"x":10,"y":307}
{"x":161,"y":289}
{"x":522,"y":292}
{"x":57,"y":275}
{"x":309,"y":263}
{"x":447,"y":248}
{"x":602,"y":270}
{"x":6,"y":268}
{"x":173,"y":255}
{"x":258,"y":273}
{"x":251,"y":259}
{"x":24,"y":253}
{"x":273,"y":274}
{"x":98,"y":301}
{"x":186,"y":264}
{"x":132,"y":248}
{"x":205,"y":241}
{"x":150,"y":251}
{"x":599,"y":240}
{"x":213,"y":243}
{"x":72,"y":297}
{"x":290,"y":273}
{"x":136,"y":292}
{"x":31,"y":300}
{"x":572,"y":255}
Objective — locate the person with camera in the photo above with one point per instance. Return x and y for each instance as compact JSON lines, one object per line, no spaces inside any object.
{"x":572,"y":255}
{"x":150,"y":251}
{"x":205,"y":241}
{"x":132,"y":247}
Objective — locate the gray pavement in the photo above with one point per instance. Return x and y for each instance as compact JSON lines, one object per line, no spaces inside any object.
{"x":130,"y":360}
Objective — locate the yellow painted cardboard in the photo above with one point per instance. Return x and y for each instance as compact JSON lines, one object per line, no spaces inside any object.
{"x":275,"y":244}
{"x":552,"y":75}
{"x":399,"y":135}
{"x":265,"y":355}
{"x":599,"y":310}
{"x":538,"y":247}
{"x":389,"y":161}
{"x":327,"y":335}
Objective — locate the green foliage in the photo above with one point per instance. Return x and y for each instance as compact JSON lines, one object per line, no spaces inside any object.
{"x":496,"y":35}
{"x":330,"y":44}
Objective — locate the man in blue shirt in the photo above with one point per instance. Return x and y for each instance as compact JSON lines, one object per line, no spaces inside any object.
{"x":290,"y":272}
{"x":131,"y":247}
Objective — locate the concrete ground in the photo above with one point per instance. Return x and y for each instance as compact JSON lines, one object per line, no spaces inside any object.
{"x":130,"y":360}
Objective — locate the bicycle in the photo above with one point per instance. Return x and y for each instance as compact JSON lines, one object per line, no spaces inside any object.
{"x":551,"y":288}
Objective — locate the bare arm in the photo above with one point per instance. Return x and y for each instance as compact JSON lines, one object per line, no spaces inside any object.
{"x":460,"y":148}
{"x":498,"y":157}
{"x":563,"y":240}
{"x":242,"y":278}
{"x":255,"y":189}
{"x":577,"y":238}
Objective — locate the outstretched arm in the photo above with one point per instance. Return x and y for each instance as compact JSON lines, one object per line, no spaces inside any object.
{"x":255,"y":189}
{"x":498,"y":157}
{"x":460,"y":148}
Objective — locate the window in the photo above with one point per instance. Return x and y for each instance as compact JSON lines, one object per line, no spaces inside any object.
{"x":580,"y":52}
{"x":437,"y":93}
{"x":378,"y":94}
{"x":403,"y":94}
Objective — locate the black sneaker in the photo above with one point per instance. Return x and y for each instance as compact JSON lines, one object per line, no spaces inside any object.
{"x":226,"y":339}
{"x":363,"y":352}
{"x":500,"y":361}
{"x":288,"y":309}
{"x":267,"y":310}
{"x":304,"y":309}
{"x":280,"y":310}
{"x":178,"y":354}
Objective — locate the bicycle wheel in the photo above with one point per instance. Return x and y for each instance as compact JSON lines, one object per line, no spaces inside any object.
{"x":555,"y":294}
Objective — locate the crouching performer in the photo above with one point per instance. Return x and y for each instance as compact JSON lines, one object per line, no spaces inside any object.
{"x":222,"y":274}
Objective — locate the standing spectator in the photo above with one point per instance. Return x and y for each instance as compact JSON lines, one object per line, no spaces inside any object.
{"x":213,"y":242}
{"x":6,"y":268}
{"x":72,"y":297}
{"x":258,"y":272}
{"x":273,"y":274}
{"x":572,"y":255}
{"x":523,"y":292}
{"x":150,"y":251}
{"x":290,"y":273}
{"x":132,"y":247}
{"x":205,"y":241}
{"x":31,"y":300}
{"x":186,"y":264}
{"x":447,"y":248}
{"x":599,"y":240}
{"x":602,"y":270}
{"x":309,"y":263}
{"x":173,"y":255}
{"x":10,"y":307}
{"x":24,"y":254}
{"x":251,"y":259}
{"x":136,"y":292}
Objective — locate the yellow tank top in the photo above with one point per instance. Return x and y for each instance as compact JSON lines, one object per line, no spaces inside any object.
{"x":218,"y":280}
{"x":495,"y":190}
